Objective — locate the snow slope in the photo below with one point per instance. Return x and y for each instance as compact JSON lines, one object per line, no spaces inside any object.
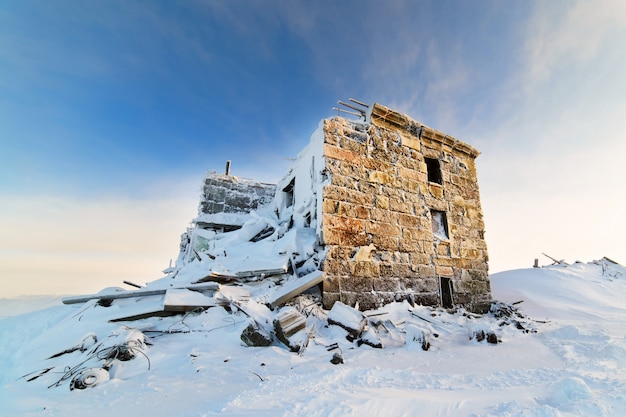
{"x":195,"y":365}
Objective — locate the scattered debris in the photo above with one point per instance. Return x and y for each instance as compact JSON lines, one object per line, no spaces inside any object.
{"x":337,"y":358}
{"x":89,"y":378}
{"x":508,"y":314}
{"x":295,"y":287}
{"x":86,"y":343}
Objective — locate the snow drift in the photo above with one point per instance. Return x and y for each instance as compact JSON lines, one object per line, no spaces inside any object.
{"x":561,"y":352}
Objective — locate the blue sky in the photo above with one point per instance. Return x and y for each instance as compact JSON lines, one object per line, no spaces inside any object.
{"x":112,"y":111}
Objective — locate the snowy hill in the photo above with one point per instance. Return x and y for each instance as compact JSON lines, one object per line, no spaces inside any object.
{"x":561,"y":352}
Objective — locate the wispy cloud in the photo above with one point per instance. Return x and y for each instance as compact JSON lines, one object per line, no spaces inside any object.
{"x":564,"y":34}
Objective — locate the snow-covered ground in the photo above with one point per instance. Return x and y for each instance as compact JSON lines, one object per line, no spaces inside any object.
{"x":569,"y":361}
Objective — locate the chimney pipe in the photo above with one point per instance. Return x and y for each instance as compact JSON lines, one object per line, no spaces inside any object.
{"x":227,"y":168}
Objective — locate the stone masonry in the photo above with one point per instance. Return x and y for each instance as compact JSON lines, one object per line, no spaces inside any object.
{"x":401,"y":215}
{"x":228,"y":194}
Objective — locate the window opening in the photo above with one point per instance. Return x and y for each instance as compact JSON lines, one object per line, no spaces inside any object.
{"x":433,"y":168}
{"x":446,"y":292}
{"x":439,"y":224}
{"x":288,"y":190}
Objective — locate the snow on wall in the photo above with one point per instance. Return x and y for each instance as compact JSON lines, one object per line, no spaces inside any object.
{"x":229,"y":194}
{"x":298,"y":193}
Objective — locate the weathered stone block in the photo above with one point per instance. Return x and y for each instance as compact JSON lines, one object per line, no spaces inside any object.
{"x":353,"y":145}
{"x":330,"y":206}
{"x":381,"y":177}
{"x":386,"y":285}
{"x":401,"y":206}
{"x":409,"y":245}
{"x":366,"y":301}
{"x":329,"y":299}
{"x":444,"y":271}
{"x":382,"y":202}
{"x":343,"y":237}
{"x":409,"y":221}
{"x":331,"y":283}
{"x":383,"y":229}
{"x":352,"y":210}
{"x":364,"y":268}
{"x":385,"y":243}
{"x":342,"y":154}
{"x":383,"y":215}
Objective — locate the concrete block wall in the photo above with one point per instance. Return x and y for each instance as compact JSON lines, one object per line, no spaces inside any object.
{"x":377,"y":215}
{"x":229,"y":194}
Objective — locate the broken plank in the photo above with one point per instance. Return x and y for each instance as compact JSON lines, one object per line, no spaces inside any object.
{"x":217,"y":277}
{"x":295,"y":287}
{"x":210,"y":286}
{"x":262,"y":272}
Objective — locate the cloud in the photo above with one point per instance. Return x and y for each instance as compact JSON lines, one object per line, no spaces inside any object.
{"x":571,"y":33}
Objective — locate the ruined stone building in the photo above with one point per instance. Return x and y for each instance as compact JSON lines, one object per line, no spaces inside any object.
{"x":394,"y":207}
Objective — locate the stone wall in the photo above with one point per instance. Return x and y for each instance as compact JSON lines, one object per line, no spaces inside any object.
{"x":377,"y":215}
{"x":229,"y":194}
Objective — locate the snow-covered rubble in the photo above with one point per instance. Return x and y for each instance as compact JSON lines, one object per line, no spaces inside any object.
{"x":561,"y":352}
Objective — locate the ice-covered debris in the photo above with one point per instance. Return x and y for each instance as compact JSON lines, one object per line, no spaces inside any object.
{"x":387,"y":333}
{"x":289,"y":326}
{"x":348,"y":318}
{"x":181,"y":299}
{"x":480,"y":330}
{"x":89,"y":378}
{"x":229,"y":294}
{"x":90,"y":362}
{"x":256,"y":335}
{"x":418,"y":335}
{"x":85,"y":343}
{"x":368,"y":337}
{"x":509,"y":314}
{"x":294,"y":287}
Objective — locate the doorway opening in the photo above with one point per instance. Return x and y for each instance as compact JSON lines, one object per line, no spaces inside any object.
{"x":446,"y":292}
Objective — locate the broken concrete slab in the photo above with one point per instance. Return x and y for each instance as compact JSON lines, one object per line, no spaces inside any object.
{"x":295,"y":287}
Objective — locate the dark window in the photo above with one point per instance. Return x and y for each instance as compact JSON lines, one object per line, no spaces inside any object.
{"x":433,"y":168}
{"x":439,"y":223}
{"x":288,"y":190}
